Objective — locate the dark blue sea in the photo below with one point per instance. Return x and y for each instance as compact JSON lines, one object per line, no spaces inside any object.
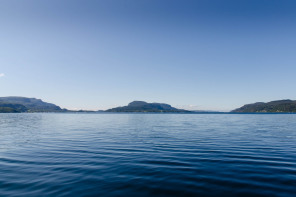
{"x":58,"y":154}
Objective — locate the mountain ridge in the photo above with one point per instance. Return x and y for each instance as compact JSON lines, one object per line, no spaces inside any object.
{"x":277,"y":106}
{"x":25,"y":104}
{"x":142,"y":106}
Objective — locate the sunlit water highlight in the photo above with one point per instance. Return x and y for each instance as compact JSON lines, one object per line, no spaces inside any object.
{"x":147,"y":155}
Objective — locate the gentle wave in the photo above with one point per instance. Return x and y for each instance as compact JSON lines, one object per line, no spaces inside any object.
{"x":147,"y":155}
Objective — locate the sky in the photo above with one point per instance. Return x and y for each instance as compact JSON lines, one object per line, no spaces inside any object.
{"x":193,"y":54}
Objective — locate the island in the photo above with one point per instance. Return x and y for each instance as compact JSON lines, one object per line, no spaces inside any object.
{"x":141,"y":106}
{"x":279,"y":106}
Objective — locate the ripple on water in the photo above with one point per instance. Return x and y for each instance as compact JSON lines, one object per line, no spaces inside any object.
{"x":147,"y":155}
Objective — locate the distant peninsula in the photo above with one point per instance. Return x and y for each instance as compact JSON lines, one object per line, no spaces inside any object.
{"x":279,"y":106}
{"x":15,"y":104}
{"x":141,"y":106}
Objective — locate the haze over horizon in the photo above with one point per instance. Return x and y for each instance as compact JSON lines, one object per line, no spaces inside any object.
{"x":207,"y":55}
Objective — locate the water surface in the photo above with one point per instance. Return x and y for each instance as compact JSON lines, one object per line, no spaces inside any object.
{"x":147,"y":154}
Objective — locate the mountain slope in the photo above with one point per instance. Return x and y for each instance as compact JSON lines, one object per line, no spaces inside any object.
{"x":141,"y":106}
{"x":273,"y":106}
{"x":12,"y":108}
{"x":23,"y":104}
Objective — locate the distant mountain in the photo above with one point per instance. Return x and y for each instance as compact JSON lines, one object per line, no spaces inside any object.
{"x":23,"y":104}
{"x":141,"y":106}
{"x":273,"y":106}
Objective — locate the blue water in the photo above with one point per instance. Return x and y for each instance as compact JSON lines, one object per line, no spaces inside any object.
{"x":147,"y":154}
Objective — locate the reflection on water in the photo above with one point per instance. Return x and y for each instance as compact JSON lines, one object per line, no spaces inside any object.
{"x":147,"y":154}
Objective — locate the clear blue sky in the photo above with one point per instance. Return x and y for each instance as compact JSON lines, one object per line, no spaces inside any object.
{"x":209,"y":54}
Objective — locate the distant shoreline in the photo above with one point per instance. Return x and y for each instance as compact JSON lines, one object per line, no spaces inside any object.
{"x":15,"y":104}
{"x":94,"y":112}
